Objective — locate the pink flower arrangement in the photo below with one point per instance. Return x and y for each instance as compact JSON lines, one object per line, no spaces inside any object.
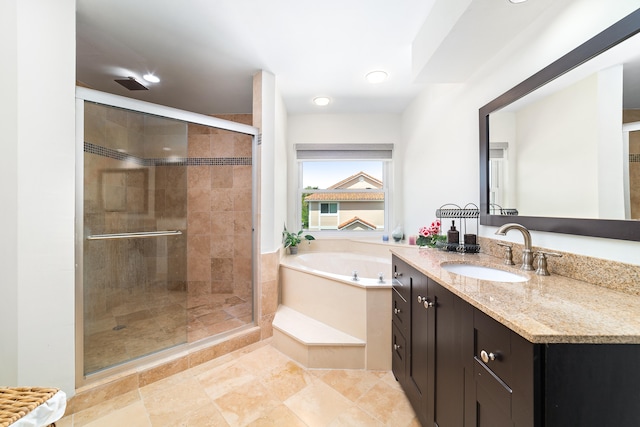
{"x":429,"y":236}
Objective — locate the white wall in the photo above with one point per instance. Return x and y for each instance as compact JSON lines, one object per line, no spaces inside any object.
{"x":559,"y":132}
{"x":281,"y":172}
{"x":37,"y":102}
{"x":272,"y":119}
{"x":440,"y":128}
{"x":348,"y":129}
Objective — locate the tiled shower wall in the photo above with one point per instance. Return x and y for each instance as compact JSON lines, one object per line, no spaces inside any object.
{"x":133,"y":186}
{"x":133,"y":289}
{"x":634,"y":163}
{"x":219,"y":210}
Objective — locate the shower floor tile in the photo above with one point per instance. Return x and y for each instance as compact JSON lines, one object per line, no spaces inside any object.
{"x":145,"y":323}
{"x":256,"y":386}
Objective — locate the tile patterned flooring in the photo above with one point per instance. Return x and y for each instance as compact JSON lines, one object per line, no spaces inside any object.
{"x":256,"y":386}
{"x":145,"y":320}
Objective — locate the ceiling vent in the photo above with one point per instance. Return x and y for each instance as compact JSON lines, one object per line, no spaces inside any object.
{"x":131,"y":84}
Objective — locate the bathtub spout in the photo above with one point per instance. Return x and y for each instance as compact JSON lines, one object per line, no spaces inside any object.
{"x":355,"y":276}
{"x":380,"y":277}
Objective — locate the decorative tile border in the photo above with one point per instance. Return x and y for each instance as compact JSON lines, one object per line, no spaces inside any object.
{"x":177,"y":161}
{"x":634,"y":158}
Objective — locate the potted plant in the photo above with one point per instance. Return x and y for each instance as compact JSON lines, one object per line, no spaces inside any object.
{"x":291,"y":240}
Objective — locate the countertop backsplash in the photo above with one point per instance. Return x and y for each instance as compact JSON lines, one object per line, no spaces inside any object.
{"x":606,"y":273}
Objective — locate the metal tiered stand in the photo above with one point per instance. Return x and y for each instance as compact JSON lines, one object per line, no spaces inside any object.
{"x":452,"y":211}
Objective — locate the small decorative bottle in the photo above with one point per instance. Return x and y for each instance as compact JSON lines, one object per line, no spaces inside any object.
{"x":453,"y":235}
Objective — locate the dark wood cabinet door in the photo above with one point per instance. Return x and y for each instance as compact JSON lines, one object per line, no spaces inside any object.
{"x":420,"y":370}
{"x":449,"y":372}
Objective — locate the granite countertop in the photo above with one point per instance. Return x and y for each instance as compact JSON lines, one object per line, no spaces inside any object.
{"x":544,"y":309}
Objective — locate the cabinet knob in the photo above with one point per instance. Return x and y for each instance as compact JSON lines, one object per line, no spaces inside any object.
{"x":397,"y":311}
{"x":421,"y":299}
{"x":397,"y":274}
{"x":429,"y":304}
{"x":487,"y":357}
{"x":396,"y":347}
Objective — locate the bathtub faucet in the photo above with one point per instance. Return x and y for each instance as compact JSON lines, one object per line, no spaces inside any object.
{"x":355,"y":276}
{"x":380,"y":277}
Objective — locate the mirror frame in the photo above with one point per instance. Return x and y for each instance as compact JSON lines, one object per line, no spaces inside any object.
{"x":606,"y":228}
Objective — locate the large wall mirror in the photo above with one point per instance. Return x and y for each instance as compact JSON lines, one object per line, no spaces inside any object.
{"x":562,"y":149}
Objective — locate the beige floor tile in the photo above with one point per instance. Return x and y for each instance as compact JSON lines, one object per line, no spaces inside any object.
{"x":65,"y":421}
{"x":351,"y":383}
{"x":256,"y":386}
{"x":105,"y":408}
{"x":246,"y":403}
{"x":318,"y":404}
{"x":162,"y":385}
{"x":355,"y":417}
{"x":263,"y":360}
{"x":286,"y":381}
{"x":280,"y":416}
{"x":169,"y":406}
{"x":207,"y":416}
{"x":224,"y":379}
{"x":134,"y":415}
{"x":387,"y":404}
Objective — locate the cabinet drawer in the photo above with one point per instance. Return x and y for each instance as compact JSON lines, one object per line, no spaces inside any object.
{"x":399,"y":353}
{"x":492,"y":347}
{"x":402,"y":273}
{"x":401,"y":312}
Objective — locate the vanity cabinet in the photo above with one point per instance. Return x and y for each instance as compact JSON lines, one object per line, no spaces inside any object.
{"x":516,"y":383}
{"x":500,"y":371}
{"x":460,"y":367}
{"x":426,"y":346}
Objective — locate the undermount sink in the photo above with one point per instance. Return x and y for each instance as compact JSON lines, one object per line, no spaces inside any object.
{"x":483,"y":273}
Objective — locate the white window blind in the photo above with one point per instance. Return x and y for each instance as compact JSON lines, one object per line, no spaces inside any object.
{"x":344,"y":151}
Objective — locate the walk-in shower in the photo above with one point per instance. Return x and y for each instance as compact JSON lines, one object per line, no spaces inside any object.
{"x":164,"y":241}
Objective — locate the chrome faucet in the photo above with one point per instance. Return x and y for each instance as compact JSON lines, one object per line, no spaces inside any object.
{"x":527,"y":255}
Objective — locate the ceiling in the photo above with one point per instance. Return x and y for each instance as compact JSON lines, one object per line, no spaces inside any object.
{"x":206,"y":51}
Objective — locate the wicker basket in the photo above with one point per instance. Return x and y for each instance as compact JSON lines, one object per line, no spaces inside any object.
{"x":16,"y":402}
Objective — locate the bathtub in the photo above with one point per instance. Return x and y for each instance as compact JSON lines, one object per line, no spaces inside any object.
{"x":320,"y":285}
{"x":341,"y":266}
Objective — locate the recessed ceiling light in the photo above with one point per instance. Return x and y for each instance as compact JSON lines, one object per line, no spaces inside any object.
{"x":517,"y":1}
{"x":151,"y":78}
{"x":377,"y":76}
{"x":321,"y":101}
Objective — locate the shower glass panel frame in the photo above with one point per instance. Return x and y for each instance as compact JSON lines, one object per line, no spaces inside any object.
{"x":141,"y":237}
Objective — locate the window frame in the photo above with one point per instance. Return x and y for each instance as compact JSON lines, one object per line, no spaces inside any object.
{"x":348,"y":152}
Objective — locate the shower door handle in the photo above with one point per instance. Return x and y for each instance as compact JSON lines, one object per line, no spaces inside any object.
{"x":134,"y":235}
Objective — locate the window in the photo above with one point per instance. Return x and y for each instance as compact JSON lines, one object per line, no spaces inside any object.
{"x":343,"y":187}
{"x":329,"y":208}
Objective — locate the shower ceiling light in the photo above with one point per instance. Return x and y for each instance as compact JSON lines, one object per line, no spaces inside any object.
{"x":377,"y":76}
{"x":151,"y":78}
{"x":321,"y":101}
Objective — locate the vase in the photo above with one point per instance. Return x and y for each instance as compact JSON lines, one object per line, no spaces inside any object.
{"x":397,"y":233}
{"x":293,"y":250}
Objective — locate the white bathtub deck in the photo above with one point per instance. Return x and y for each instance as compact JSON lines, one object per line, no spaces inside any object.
{"x":315,"y":344}
{"x":310,"y":331}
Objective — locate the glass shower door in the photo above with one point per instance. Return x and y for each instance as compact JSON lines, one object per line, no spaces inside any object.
{"x":134,"y":246}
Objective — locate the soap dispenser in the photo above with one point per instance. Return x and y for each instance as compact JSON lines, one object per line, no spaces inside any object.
{"x":453,"y":235}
